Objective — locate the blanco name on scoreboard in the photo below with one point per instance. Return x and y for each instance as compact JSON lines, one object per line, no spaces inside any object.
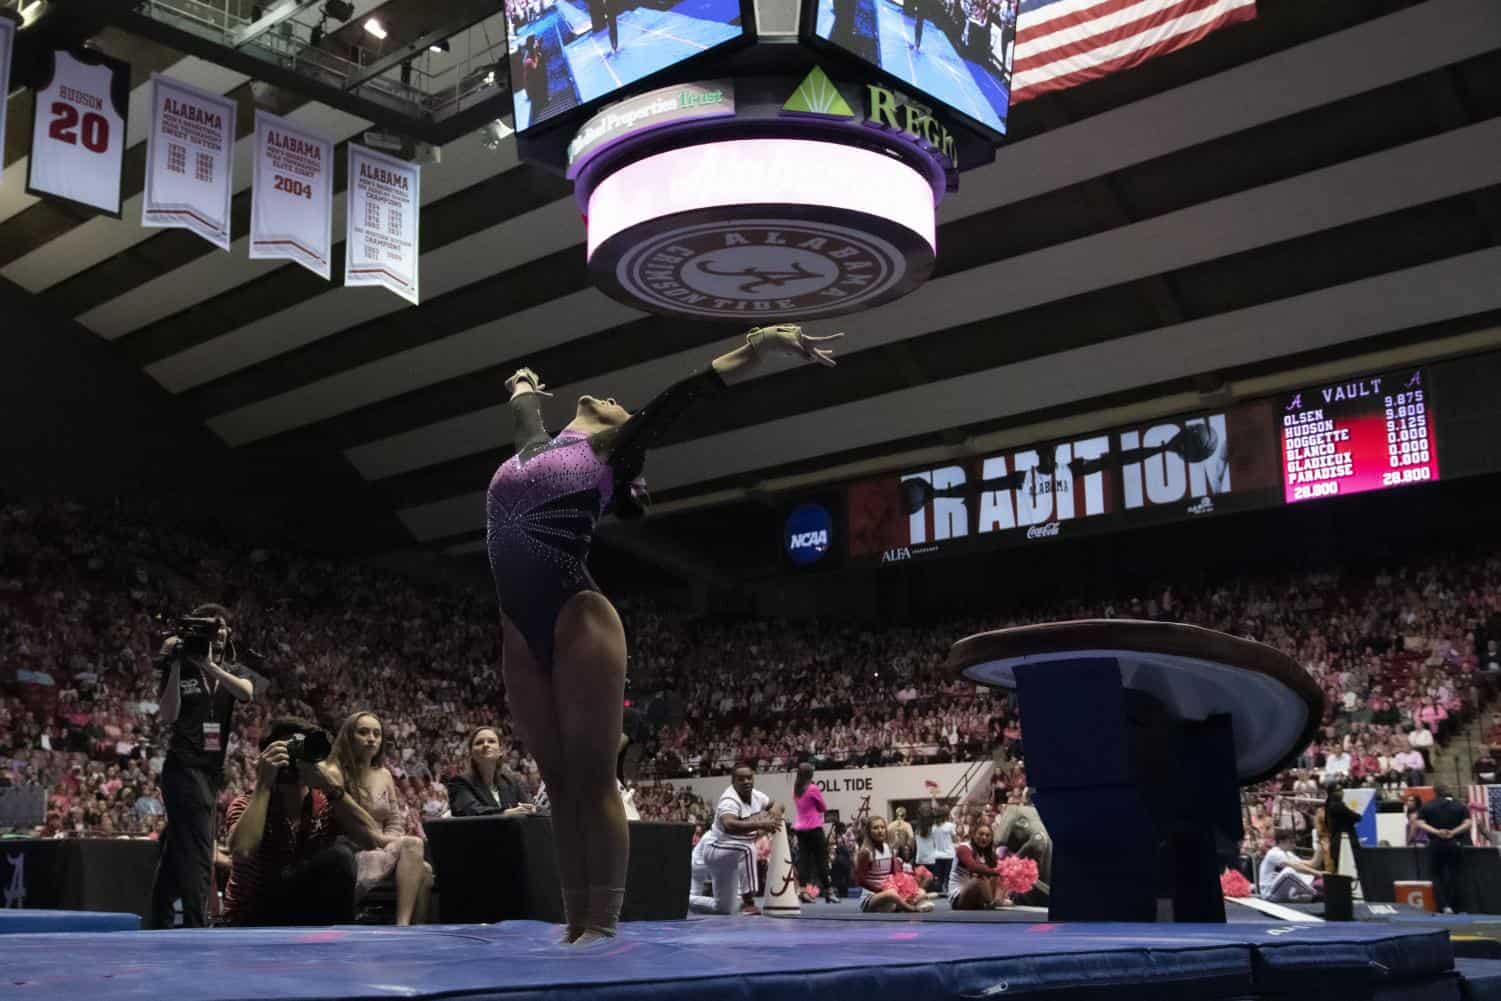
{"x":78,"y":130}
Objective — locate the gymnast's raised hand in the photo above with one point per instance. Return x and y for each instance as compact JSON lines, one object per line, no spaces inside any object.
{"x":781,"y":338}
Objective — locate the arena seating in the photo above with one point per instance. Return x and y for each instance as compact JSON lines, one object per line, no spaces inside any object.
{"x":87,"y":593}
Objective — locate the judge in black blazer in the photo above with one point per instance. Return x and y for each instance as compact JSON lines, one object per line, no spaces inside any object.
{"x":487,"y":788}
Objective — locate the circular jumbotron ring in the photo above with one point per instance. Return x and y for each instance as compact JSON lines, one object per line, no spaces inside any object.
{"x":1275,"y":706}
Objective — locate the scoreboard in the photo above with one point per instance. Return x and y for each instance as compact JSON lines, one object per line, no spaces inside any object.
{"x":1364,"y":433}
{"x":1357,"y":435}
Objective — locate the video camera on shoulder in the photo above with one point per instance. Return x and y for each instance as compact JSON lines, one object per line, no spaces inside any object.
{"x":196,"y":634}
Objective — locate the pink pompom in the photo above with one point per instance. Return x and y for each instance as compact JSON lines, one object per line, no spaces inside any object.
{"x":1233,"y":884}
{"x":1018,"y":875}
{"x":904,"y":885}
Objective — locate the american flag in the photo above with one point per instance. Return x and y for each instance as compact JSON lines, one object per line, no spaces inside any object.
{"x":1485,"y":811}
{"x":1063,"y":43}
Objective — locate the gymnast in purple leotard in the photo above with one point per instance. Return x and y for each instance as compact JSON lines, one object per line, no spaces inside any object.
{"x":564,"y":647}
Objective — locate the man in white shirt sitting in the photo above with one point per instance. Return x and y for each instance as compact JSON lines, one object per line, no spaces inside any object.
{"x":729,"y":857}
{"x":1337,"y":767}
{"x":1283,"y":877}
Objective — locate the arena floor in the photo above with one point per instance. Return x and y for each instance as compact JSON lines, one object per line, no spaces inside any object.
{"x":754,"y":958}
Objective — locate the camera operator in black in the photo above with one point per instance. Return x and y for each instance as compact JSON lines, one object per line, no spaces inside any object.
{"x":197,"y":704}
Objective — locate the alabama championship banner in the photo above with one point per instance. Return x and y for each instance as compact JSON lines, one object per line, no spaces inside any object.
{"x":7,"y":41}
{"x":78,"y":130}
{"x":381,"y":242}
{"x":189,"y":161}
{"x":291,"y":206}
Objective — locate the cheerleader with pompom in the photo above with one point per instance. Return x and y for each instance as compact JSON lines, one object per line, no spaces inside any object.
{"x":885,"y":884}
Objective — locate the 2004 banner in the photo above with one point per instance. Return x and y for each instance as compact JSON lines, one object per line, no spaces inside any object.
{"x":291,"y":210}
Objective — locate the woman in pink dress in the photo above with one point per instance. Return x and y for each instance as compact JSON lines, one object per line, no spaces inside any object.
{"x":356,"y":761}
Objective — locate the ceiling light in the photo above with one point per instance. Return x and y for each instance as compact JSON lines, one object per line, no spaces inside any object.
{"x":374,"y":27}
{"x":490,"y":79}
{"x":438,"y":46}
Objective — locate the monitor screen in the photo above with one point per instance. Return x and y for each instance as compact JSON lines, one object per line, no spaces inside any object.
{"x":957,"y":53}
{"x":1357,"y":435}
{"x":565,"y":54}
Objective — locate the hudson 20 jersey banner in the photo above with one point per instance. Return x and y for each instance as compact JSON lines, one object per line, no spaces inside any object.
{"x":78,"y":130}
{"x":1160,"y":471}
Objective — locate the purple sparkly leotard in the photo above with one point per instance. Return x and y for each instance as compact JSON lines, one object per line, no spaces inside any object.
{"x":545,"y":500}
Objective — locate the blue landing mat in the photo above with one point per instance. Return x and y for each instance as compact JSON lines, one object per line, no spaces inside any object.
{"x":16,"y":921}
{"x":1482,"y":978}
{"x":745,"y":959}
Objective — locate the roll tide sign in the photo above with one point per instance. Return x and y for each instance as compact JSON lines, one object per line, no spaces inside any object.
{"x":78,"y":130}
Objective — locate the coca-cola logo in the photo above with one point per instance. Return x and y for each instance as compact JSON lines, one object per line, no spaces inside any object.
{"x":1043,"y":531}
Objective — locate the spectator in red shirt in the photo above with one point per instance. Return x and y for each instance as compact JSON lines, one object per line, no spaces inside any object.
{"x":289,"y":866}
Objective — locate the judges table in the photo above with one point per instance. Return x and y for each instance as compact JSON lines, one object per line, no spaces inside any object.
{"x":78,"y":874}
{"x":1479,"y":879}
{"x":504,"y":868}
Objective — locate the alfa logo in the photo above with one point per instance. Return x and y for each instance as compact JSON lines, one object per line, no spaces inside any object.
{"x":777,"y":267}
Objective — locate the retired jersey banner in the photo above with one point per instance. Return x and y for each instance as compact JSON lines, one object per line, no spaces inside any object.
{"x":7,"y":42}
{"x":78,"y":130}
{"x":292,"y":204}
{"x":381,"y":243}
{"x":189,"y":161}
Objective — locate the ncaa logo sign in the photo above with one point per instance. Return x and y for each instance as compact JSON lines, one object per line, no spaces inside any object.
{"x":809,"y":529}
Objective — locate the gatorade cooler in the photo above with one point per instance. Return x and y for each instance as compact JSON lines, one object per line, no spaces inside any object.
{"x":1416,"y":893}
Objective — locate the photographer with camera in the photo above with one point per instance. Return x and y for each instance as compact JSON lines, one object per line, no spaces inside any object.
{"x":197,"y":703}
{"x":290,"y":866}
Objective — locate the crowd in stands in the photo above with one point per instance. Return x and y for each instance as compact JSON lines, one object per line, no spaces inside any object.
{"x":1404,"y":657}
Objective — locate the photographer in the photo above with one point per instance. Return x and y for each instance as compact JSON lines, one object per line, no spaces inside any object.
{"x":290,"y":866}
{"x":197,"y":703}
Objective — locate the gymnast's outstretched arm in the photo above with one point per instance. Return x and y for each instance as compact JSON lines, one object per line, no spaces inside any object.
{"x":647,"y":426}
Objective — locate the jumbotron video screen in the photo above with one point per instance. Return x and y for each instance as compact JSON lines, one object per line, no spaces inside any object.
{"x":955,"y":52}
{"x":569,"y":53}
